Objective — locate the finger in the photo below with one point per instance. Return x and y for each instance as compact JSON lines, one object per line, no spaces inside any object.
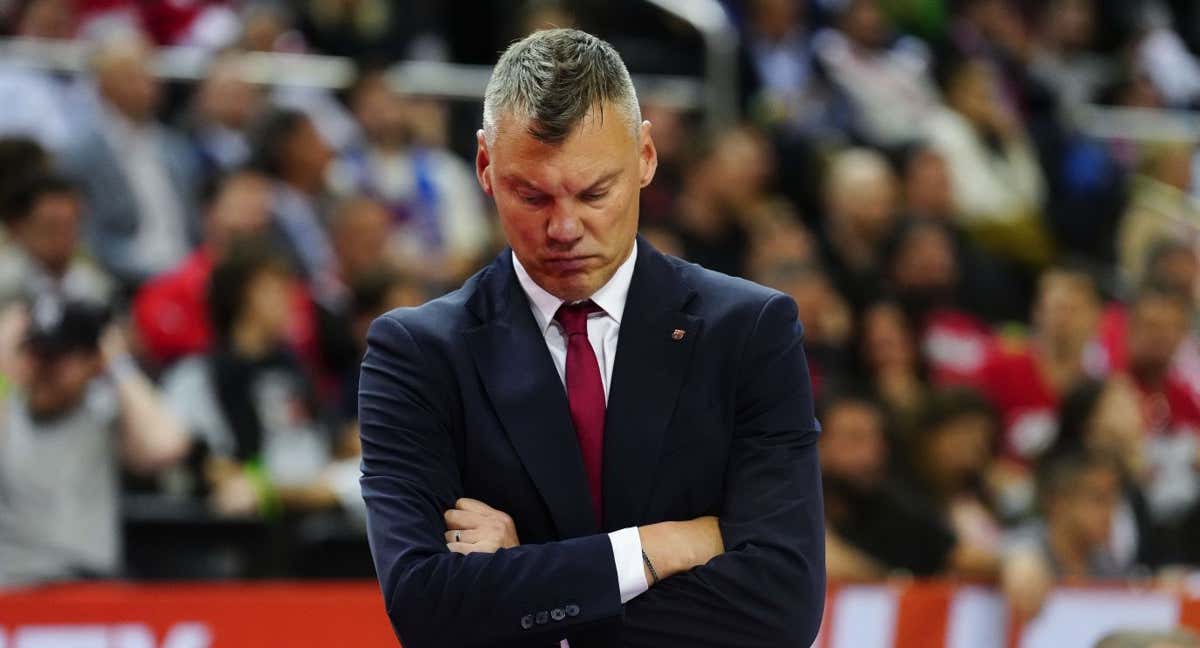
{"x":468,"y":504}
{"x":456,"y":519}
{"x":465,"y":536}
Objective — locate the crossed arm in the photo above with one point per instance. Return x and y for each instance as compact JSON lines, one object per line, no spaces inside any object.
{"x":759,"y":582}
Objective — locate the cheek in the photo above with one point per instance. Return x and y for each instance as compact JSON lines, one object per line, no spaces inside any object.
{"x":520,"y":225}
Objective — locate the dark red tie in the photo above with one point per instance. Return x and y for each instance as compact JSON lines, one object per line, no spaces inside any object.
{"x":585,"y":393}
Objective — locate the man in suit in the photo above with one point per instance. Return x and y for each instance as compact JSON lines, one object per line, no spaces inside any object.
{"x":590,"y":443}
{"x":138,"y":177}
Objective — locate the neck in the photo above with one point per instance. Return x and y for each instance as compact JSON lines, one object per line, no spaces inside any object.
{"x":252,"y":341}
{"x":1070,"y":552}
{"x":1149,"y":377}
{"x":1062,"y":362}
{"x":854,"y":250}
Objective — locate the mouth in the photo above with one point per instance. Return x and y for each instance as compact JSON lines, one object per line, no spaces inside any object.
{"x":568,"y":264}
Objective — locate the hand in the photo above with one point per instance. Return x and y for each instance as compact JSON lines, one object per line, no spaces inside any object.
{"x":233,"y":492}
{"x":1026,"y":581}
{"x":14,"y":365}
{"x":472,"y":526}
{"x":113,"y":344}
{"x":235,"y":496}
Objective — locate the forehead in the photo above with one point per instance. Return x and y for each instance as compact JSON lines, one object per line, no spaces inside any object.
{"x":600,"y":144}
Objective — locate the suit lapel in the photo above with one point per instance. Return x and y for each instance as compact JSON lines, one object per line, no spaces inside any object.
{"x":653,"y":351}
{"x":523,"y":385}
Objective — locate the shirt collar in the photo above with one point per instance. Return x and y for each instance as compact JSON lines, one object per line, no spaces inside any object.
{"x":610,"y":297}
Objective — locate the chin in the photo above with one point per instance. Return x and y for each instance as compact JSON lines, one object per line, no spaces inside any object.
{"x":571,"y":288}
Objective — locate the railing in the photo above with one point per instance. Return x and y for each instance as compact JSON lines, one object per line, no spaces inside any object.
{"x":716,"y":96}
{"x":720,"y":55}
{"x":416,"y":78}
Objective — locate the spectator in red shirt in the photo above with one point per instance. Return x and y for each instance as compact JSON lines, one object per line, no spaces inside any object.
{"x":1158,"y":324}
{"x":925,"y":275}
{"x":1025,"y":379}
{"x":171,"y":311}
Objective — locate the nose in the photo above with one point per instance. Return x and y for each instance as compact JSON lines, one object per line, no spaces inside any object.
{"x":564,"y":228}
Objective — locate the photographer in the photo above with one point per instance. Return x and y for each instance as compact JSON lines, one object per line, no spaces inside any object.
{"x":75,"y":409}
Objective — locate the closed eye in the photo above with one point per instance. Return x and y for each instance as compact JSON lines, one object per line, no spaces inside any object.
{"x":593,"y":196}
{"x":533,"y":200}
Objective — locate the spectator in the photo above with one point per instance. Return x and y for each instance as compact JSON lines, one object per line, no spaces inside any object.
{"x":35,"y":103}
{"x":891,"y":362}
{"x":950,"y":455}
{"x":988,"y":288}
{"x":874,"y":525}
{"x":77,"y":411}
{"x":248,"y":400}
{"x":828,"y":323}
{"x":376,"y":291}
{"x":1162,"y":56}
{"x":886,"y":82}
{"x":1102,"y":417}
{"x":1026,"y":379}
{"x":1063,"y":60}
{"x":287,"y":148}
{"x":923,"y":273}
{"x":359,"y":230}
{"x":375,"y":30}
{"x":860,"y":206}
{"x":44,"y":255}
{"x":927,"y":189}
{"x":137,"y":176}
{"x":1078,"y":498}
{"x":270,"y":27}
{"x":997,"y":180}
{"x":722,"y":190}
{"x":778,"y":237}
{"x":22,"y":160}
{"x":441,"y":228}
{"x":1161,"y":206}
{"x":671,"y":134}
{"x":790,"y":93}
{"x":223,"y":108}
{"x":171,"y":311}
{"x":1158,"y":325}
{"x":1173,"y":265}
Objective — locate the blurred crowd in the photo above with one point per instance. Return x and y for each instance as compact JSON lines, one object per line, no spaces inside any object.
{"x":1000,"y":304}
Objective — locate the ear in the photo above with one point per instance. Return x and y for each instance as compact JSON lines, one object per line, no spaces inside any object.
{"x":483,"y":163}
{"x":647,"y":155}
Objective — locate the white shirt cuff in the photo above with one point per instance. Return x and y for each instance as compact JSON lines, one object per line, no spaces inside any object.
{"x":627,"y":554}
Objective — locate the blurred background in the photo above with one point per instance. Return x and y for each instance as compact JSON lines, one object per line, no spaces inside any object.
{"x":987,"y":211}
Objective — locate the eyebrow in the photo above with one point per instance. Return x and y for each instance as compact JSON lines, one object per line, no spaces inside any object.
{"x":604,"y":179}
{"x":517,"y":182}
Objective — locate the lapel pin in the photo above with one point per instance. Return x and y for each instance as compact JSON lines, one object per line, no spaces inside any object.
{"x":677,"y":334}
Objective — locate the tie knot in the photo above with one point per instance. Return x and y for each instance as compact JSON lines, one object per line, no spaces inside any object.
{"x":573,"y":317}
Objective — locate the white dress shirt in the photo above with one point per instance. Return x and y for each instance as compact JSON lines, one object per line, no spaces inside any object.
{"x":603,"y":330}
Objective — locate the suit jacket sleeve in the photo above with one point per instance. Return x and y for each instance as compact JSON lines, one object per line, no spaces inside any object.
{"x":768,"y":588}
{"x":436,"y":598}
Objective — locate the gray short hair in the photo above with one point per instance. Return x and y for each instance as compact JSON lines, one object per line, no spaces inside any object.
{"x":1176,"y":639}
{"x":552,"y":78}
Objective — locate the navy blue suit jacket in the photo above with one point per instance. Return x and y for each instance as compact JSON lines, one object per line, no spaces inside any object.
{"x":460,"y":398}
